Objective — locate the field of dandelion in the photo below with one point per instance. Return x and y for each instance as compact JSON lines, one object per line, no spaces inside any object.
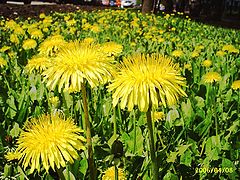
{"x":116,"y":94}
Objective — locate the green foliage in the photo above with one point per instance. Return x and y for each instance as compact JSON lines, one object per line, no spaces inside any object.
{"x":202,"y":131}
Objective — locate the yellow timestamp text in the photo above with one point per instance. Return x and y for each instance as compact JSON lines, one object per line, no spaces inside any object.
{"x":214,"y":170}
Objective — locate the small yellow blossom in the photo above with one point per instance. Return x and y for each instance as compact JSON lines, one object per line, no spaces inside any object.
{"x":29,"y":44}
{"x":220,"y":53}
{"x":236,"y":85}
{"x":177,"y":53}
{"x":158,"y":116}
{"x":188,"y":67}
{"x":3,"y":62}
{"x":14,"y":39}
{"x":230,"y":49}
{"x":211,"y":77}
{"x":195,"y":54}
{"x":109,"y":174}
{"x":207,"y":63}
{"x":5,"y":48}
{"x":54,"y":101}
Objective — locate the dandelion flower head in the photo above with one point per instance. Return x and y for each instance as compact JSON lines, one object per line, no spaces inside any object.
{"x":5,"y":48}
{"x":111,"y":48}
{"x":76,"y":62}
{"x":177,"y":53}
{"x":230,"y":48}
{"x":207,"y":63}
{"x":236,"y":85}
{"x":220,"y":53}
{"x":51,"y":45}
{"x":50,"y":140}
{"x":211,"y":77}
{"x":88,"y":40}
{"x":3,"y":62}
{"x":109,"y":174}
{"x":39,"y":63}
{"x":143,"y":80}
{"x":158,"y":115}
{"x":29,"y":44}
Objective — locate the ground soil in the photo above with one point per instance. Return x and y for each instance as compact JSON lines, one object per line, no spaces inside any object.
{"x":12,"y":11}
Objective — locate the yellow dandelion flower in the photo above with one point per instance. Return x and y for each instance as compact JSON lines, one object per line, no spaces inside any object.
{"x":19,"y":30}
{"x":5,"y":48}
{"x":211,"y":77}
{"x":207,"y":63}
{"x":236,"y":85}
{"x":158,"y":116}
{"x":220,"y":53}
{"x":47,"y":20}
{"x":14,"y":39}
{"x":29,"y":44}
{"x":3,"y":62}
{"x":188,"y":67}
{"x":54,"y":101}
{"x":12,"y":156}
{"x":71,"y":22}
{"x":230,"y":49}
{"x":36,"y":34}
{"x":42,"y":16}
{"x":51,"y":140}
{"x":76,"y":62}
{"x":109,"y":174}
{"x":195,"y":54}
{"x":11,"y":24}
{"x":160,"y":40}
{"x":39,"y":63}
{"x":95,"y":28}
{"x":177,"y":53}
{"x":88,"y":40}
{"x":199,"y":48}
{"x":51,"y":45}
{"x":111,"y":48}
{"x":142,"y":80}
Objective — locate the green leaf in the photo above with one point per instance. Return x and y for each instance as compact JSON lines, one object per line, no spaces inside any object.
{"x":15,"y":130}
{"x":200,"y":102}
{"x":11,"y":110}
{"x":170,"y":176}
{"x":213,"y":155}
{"x":83,"y":166}
{"x":183,"y":148}
{"x":228,"y":95}
{"x":33,"y":93}
{"x":187,"y":109}
{"x":172,"y":115}
{"x":7,"y":170}
{"x":68,"y":175}
{"x":186,"y":158}
{"x":203,"y":126}
{"x":112,"y":139}
{"x":172,"y":157}
{"x":234,"y":126}
{"x":139,"y":141}
{"x":229,"y":168}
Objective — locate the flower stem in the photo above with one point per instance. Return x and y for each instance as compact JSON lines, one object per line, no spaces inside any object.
{"x":214,"y":105}
{"x":152,"y":147}
{"x":114,"y":122}
{"x":60,"y":173}
{"x":88,"y":132}
{"x":116,"y":172}
{"x":238,"y":102}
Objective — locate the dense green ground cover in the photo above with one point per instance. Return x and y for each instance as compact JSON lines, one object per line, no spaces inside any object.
{"x":197,"y":138}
